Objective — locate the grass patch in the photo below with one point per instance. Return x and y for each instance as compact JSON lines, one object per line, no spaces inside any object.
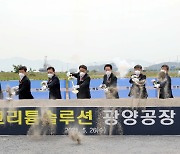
{"x":5,"y":76}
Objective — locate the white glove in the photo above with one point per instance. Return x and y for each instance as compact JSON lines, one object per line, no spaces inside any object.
{"x":106,"y":90}
{"x":44,"y":83}
{"x":14,"y":90}
{"x":102,"y":86}
{"x":133,"y":76}
{"x":156,"y":85}
{"x":76,"y":86}
{"x":44,"y":88}
{"x":135,"y":80}
{"x":68,"y":74}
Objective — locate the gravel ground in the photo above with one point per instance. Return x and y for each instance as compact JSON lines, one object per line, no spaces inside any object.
{"x":91,"y":144}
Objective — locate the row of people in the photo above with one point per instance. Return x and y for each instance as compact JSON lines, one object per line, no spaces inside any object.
{"x":109,"y":84}
{"x":137,"y":80}
{"x":163,"y":83}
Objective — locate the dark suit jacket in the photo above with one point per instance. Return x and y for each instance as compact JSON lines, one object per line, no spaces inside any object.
{"x":138,"y":91}
{"x":84,"y":91}
{"x":1,"y":93}
{"x":111,"y":83}
{"x":24,"y":91}
{"x":54,"y":88}
{"x":165,"y":88}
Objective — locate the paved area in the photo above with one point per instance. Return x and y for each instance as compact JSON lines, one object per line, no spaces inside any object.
{"x":91,"y":145}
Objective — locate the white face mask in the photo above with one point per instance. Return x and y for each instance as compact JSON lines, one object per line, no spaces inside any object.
{"x":50,"y":75}
{"x":21,"y":75}
{"x":82,"y":74}
{"x":163,"y":71}
{"x":108,"y":73}
{"x":137,"y":72}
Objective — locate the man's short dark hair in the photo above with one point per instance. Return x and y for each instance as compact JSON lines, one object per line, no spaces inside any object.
{"x":108,"y":65}
{"x":83,"y":66}
{"x":23,"y":68}
{"x":51,"y":68}
{"x":167,"y":67}
{"x":138,"y":67}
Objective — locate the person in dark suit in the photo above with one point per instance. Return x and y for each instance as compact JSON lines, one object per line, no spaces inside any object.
{"x":83,"y":83}
{"x":53,"y":84}
{"x":164,"y":83}
{"x":24,"y":90}
{"x":138,"y":80}
{"x":1,"y":93}
{"x":110,"y":83}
